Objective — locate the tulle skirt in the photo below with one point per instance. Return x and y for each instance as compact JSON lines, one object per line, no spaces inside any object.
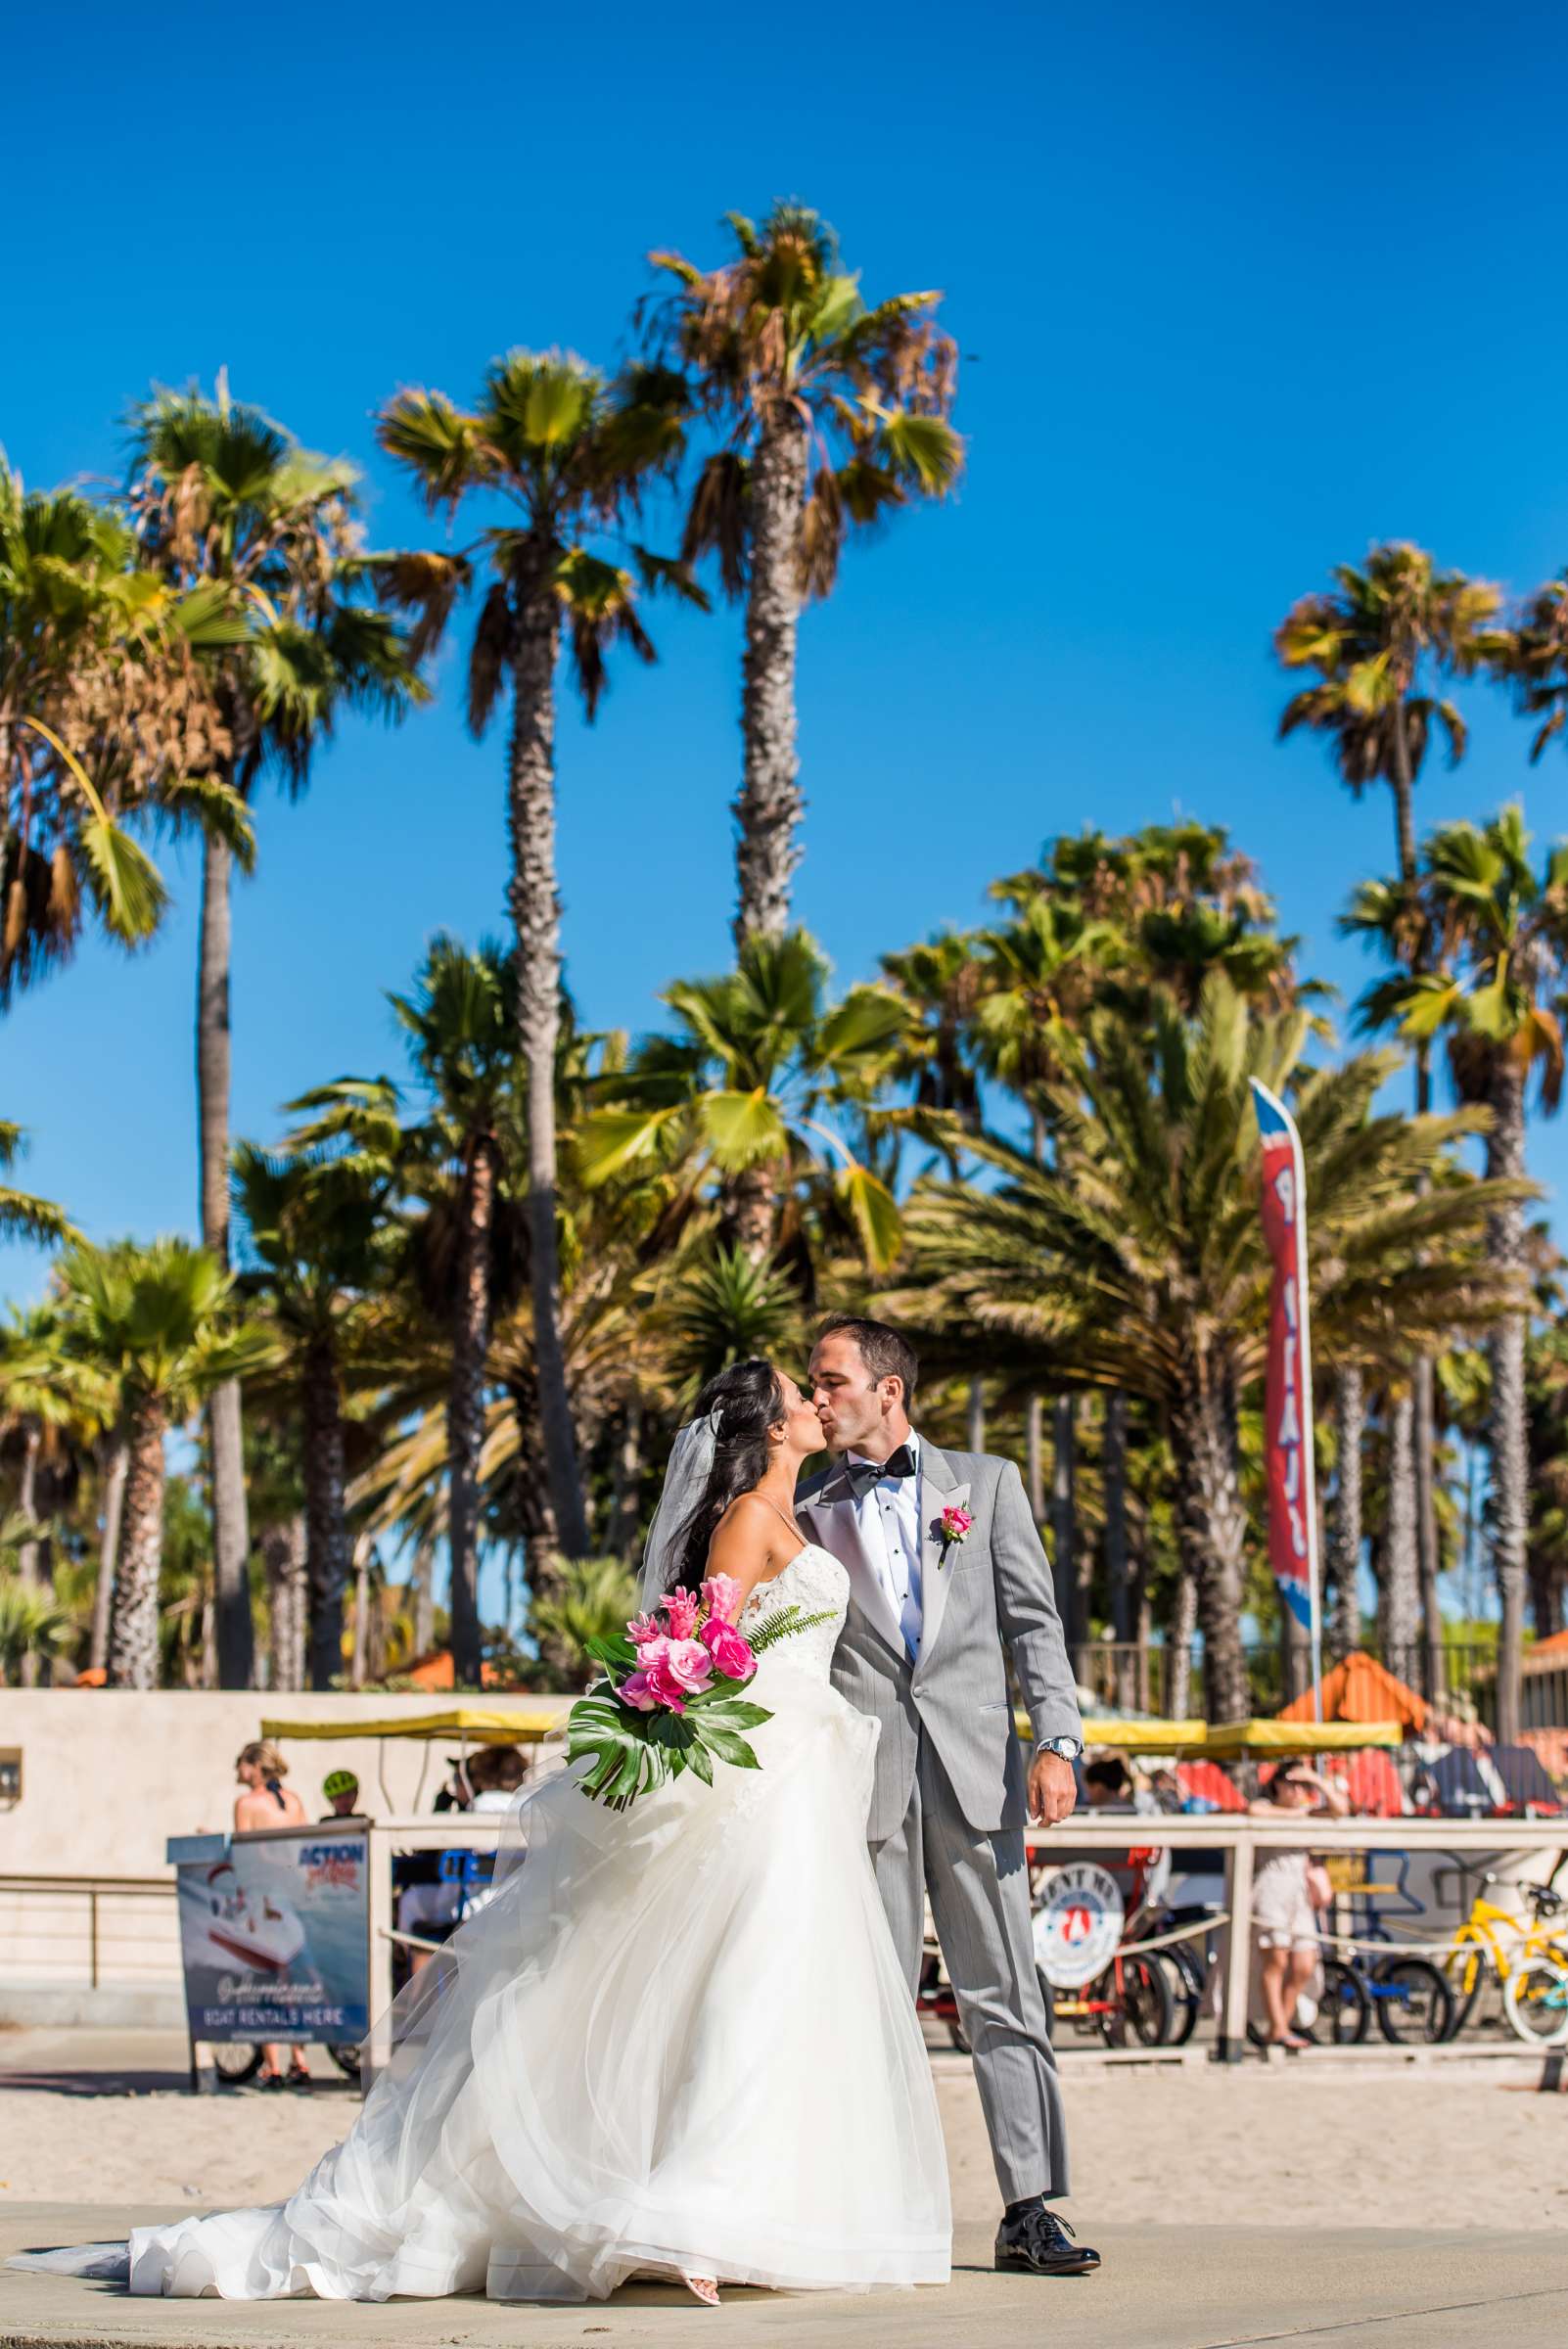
{"x":677,"y":2039}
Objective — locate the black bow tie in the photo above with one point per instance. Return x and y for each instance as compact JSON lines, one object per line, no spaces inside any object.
{"x":862,"y":1475}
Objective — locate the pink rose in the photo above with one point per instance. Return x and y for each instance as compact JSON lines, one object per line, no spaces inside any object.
{"x":689,"y":1665}
{"x":721,"y":1595}
{"x":730,"y":1650}
{"x":641,"y":1628}
{"x":680,"y":1613}
{"x":636,"y":1693}
{"x":955,"y":1522}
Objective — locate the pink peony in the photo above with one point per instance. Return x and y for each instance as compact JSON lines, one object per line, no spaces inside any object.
{"x":730,"y":1651}
{"x":643,"y":1628}
{"x":680,"y":1613}
{"x":721,"y":1595}
{"x":638,"y":1693}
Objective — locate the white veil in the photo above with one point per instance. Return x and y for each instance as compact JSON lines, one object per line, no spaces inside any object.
{"x":690,"y":1460}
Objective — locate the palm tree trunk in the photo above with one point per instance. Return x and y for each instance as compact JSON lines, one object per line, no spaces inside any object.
{"x":133,"y":1623}
{"x":27,"y":1551}
{"x":1177,"y":1696}
{"x":231,"y":1533}
{"x":465,"y":1407}
{"x":424,"y":1598}
{"x":537,"y":919}
{"x":1118,"y":1573}
{"x":977,"y":1415}
{"x":628,"y":1481}
{"x":1034,"y":1456}
{"x":116,"y":1460}
{"x":770,"y":805}
{"x":1211,"y":1532}
{"x":283,"y":1557}
{"x":327,"y":1552}
{"x":1398,"y":1596}
{"x":1349,"y":1430}
{"x":361,"y":1646}
{"x":1510,"y":1440}
{"x":752,"y":1198}
{"x":1064,"y":1519}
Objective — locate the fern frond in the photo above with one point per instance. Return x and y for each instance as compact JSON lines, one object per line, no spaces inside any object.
{"x":784,"y":1624}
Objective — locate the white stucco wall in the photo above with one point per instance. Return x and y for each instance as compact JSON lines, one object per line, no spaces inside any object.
{"x":108,"y":1775}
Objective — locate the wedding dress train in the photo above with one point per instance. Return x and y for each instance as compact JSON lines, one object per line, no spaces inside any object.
{"x":678,"y":2037}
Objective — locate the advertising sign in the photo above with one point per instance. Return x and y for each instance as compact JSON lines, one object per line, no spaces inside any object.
{"x":1288,"y":1383}
{"x":1078,"y":1925}
{"x":275,"y":1935}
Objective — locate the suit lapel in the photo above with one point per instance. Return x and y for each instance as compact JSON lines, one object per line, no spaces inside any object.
{"x":939,"y":1488}
{"x":834,"y":1524}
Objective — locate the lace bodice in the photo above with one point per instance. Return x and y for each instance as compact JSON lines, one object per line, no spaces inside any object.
{"x":814,"y":1582}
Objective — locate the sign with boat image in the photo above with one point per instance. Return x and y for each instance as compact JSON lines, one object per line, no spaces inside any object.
{"x":275,"y":1934}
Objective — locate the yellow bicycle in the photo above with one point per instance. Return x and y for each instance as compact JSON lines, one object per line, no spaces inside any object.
{"x":1494,"y":1942}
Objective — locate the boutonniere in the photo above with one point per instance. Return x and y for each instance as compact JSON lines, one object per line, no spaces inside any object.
{"x":951,"y":1527}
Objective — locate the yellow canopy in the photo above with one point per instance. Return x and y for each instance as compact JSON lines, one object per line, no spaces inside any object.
{"x":1228,"y":1738}
{"x":1225,"y":1741}
{"x":525,"y":1723}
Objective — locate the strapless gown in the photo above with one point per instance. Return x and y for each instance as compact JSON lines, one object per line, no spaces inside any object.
{"x":677,"y":2039}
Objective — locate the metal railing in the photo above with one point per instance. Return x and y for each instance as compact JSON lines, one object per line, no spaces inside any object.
{"x":95,"y":1891}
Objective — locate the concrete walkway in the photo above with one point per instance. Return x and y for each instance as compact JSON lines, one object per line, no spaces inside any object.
{"x":1161,"y":2289}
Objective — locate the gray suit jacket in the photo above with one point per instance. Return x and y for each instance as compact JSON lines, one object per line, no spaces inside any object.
{"x":988,"y":1592}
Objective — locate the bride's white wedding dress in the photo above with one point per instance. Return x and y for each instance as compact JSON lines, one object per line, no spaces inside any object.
{"x":676,"y":2039}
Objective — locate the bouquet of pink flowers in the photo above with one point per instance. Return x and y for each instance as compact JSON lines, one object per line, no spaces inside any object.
{"x":670,"y":1698}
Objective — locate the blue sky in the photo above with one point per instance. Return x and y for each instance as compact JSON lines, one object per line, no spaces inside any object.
{"x":1239,"y":291}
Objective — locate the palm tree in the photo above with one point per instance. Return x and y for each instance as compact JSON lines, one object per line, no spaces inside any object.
{"x":22,"y":1213}
{"x":467,"y":1251}
{"x":832,"y":414}
{"x":753,"y":1081}
{"x":316,"y":1235}
{"x":569,"y":456}
{"x":1496,"y":988}
{"x":33,"y":1628}
{"x":157,"y":1320}
{"x":1380,"y":640}
{"x":593,"y":1602}
{"x":1135,"y":1262}
{"x":81,"y":646}
{"x":228,"y":505}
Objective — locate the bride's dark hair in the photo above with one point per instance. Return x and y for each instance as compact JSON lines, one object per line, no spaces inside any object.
{"x":748,"y":1399}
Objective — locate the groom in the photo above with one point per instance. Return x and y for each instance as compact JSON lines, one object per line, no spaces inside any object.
{"x":945,"y":1574}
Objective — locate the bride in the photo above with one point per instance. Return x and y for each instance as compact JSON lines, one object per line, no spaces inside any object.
{"x":678,"y":2038}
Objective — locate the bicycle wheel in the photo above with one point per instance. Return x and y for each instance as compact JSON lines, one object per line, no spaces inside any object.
{"x":1536,"y":2002}
{"x":1186,"y":1983}
{"x":1143,"y":2006}
{"x":1411,"y":2001}
{"x":1345,"y":2010}
{"x":235,"y":2061}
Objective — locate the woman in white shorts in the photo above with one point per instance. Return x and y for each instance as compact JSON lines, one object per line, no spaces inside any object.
{"x":1283,"y":1917}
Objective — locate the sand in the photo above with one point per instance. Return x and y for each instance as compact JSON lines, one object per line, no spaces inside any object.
{"x":1470,"y":2145}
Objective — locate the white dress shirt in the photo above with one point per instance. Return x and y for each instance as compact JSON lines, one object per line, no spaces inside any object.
{"x":887,"y":1517}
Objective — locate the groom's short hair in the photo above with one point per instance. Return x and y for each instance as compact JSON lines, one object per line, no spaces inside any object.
{"x":884,"y":1351}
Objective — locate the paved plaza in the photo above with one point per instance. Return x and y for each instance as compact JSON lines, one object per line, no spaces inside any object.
{"x":1161,"y":2289}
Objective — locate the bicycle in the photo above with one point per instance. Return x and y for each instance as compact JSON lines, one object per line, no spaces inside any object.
{"x":1494,"y":1942}
{"x":1534,"y":1999}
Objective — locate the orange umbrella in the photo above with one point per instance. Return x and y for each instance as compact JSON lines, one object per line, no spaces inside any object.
{"x":1361,"y":1690}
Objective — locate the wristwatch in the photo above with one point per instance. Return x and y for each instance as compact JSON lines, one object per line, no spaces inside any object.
{"x":1071,"y":1749}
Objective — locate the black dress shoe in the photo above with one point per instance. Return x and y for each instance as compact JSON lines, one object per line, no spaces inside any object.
{"x":1039,"y":2243}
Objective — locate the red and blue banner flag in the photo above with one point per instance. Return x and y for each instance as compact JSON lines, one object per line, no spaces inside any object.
{"x":1288,"y":1384}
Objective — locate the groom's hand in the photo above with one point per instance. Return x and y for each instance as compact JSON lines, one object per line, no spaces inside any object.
{"x":1052,"y":1790}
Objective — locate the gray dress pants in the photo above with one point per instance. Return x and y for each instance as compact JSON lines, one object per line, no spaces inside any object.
{"x":979,"y":1887}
